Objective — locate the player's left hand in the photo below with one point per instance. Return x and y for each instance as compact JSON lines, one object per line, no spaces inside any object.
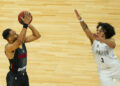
{"x":77,"y":14}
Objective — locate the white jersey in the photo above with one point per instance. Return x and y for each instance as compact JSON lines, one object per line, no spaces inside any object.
{"x":104,"y":55}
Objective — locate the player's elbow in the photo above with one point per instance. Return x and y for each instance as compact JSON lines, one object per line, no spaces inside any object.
{"x":38,"y":36}
{"x":113,"y":46}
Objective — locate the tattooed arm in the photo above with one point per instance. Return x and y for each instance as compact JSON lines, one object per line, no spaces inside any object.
{"x":85,"y":27}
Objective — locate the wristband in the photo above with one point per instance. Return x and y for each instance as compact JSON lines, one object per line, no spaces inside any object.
{"x":81,"y":20}
{"x":25,"y":26}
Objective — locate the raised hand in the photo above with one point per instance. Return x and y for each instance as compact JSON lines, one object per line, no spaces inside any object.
{"x":77,"y":14}
{"x":27,"y":17}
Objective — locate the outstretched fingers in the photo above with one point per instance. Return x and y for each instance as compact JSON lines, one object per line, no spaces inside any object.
{"x":77,"y":14}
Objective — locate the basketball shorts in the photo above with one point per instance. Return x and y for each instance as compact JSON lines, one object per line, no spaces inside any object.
{"x":17,"y":79}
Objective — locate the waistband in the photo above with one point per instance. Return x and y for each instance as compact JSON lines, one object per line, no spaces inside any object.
{"x":18,"y":73}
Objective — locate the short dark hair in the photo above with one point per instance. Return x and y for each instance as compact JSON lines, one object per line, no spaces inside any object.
{"x":107,"y":28}
{"x":6,"y":33}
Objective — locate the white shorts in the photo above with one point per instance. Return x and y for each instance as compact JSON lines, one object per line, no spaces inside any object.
{"x":110,"y":77}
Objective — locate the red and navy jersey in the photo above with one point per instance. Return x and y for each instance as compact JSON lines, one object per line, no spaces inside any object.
{"x":19,"y":61}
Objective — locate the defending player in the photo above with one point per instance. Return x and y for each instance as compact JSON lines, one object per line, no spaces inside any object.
{"x":103,"y":50}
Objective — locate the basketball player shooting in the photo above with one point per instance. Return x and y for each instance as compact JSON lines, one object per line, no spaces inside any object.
{"x":103,"y":46}
{"x":16,"y":52}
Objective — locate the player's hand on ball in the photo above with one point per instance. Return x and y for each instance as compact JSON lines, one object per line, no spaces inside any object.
{"x":77,"y":14}
{"x":27,"y":18}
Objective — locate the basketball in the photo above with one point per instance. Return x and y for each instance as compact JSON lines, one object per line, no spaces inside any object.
{"x":21,"y":14}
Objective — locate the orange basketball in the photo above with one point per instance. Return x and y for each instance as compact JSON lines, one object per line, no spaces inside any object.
{"x":21,"y":14}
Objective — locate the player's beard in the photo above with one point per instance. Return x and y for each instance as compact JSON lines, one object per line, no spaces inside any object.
{"x":16,"y":36}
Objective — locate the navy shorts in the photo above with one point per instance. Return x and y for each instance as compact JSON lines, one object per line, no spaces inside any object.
{"x":17,"y":79}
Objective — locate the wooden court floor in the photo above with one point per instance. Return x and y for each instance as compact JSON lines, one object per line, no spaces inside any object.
{"x":62,"y":56}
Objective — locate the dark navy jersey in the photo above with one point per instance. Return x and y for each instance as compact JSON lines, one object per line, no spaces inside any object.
{"x":19,"y":61}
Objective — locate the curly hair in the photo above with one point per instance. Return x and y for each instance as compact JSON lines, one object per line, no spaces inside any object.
{"x":108,"y":29}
